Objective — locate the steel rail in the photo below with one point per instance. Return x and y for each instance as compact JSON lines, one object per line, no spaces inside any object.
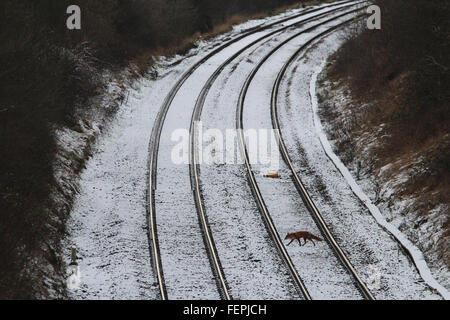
{"x":252,"y":180}
{"x":297,"y":181}
{"x":156,"y":135}
{"x":194,"y":166}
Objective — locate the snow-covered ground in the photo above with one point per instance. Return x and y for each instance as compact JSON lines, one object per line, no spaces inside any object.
{"x":321,"y":271}
{"x":108,"y":221}
{"x":364,"y":187}
{"x":371,"y":250}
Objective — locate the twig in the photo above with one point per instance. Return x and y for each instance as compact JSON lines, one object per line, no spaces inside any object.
{"x":433,"y":60}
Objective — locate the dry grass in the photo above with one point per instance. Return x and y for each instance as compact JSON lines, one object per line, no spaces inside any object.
{"x":399,"y":80}
{"x":300,"y":5}
{"x":226,"y":26}
{"x":358,"y":136}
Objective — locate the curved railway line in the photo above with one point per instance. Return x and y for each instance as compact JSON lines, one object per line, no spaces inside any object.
{"x":304,"y":194}
{"x":297,"y":181}
{"x":194,"y":169}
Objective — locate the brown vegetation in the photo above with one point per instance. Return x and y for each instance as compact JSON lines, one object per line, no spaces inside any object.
{"x":399,"y":77}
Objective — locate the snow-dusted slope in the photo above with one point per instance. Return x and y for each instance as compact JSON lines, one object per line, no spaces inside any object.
{"x":372,"y":251}
{"x":415,"y":253}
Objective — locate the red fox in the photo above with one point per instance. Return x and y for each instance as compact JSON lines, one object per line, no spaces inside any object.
{"x":302,"y":235}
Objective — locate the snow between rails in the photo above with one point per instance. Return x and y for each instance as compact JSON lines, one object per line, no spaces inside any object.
{"x":414,"y":252}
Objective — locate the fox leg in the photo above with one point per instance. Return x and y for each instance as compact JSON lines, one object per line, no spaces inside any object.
{"x":291,"y":241}
{"x":299,"y":242}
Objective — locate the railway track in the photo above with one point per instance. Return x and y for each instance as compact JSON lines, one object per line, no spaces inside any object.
{"x":301,"y":188}
{"x":194,"y":166}
{"x":154,"y":147}
{"x":297,"y":181}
